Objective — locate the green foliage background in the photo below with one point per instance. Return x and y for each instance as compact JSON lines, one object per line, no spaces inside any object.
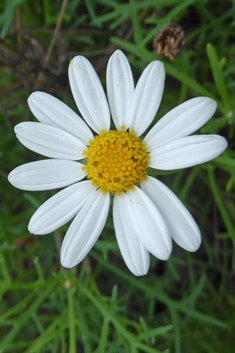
{"x":186,"y":304}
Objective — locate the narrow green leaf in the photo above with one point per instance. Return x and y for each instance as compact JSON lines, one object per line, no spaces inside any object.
{"x":8,"y":15}
{"x":216,"y":68}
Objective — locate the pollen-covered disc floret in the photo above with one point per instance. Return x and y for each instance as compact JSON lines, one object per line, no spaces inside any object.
{"x":116,"y":160}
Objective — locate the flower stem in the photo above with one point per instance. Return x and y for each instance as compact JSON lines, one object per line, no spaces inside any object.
{"x":71,"y":318}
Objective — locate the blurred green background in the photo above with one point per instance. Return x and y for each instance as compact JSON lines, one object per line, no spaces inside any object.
{"x":186,"y":304}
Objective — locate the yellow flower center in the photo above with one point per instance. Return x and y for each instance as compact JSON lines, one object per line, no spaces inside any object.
{"x":115,"y":161}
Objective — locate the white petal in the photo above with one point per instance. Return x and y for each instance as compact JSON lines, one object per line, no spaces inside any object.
{"x":187,"y":152}
{"x":148,"y":224}
{"x":49,"y":141}
{"x":120,"y":88}
{"x":47,"y":174}
{"x":60,"y":208}
{"x":147,"y":97}
{"x":85,"y":229}
{"x":180,"y":122}
{"x":182,"y":227}
{"x":51,"y":111}
{"x":134,"y":253}
{"x":88,"y":94}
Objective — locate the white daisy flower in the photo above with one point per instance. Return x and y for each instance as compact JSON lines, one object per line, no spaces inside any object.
{"x":146,"y":214}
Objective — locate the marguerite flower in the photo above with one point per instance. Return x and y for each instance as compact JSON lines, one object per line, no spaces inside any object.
{"x":146,"y":214}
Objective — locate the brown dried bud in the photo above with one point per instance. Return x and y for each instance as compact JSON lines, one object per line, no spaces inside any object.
{"x":170,"y":41}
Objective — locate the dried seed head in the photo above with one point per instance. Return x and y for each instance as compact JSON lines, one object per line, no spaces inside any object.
{"x":170,"y":41}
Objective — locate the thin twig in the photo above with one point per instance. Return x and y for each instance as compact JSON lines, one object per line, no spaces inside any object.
{"x":53,"y":40}
{"x":21,"y":47}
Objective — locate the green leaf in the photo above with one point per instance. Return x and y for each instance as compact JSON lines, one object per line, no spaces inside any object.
{"x":216,"y":67}
{"x":8,"y":15}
